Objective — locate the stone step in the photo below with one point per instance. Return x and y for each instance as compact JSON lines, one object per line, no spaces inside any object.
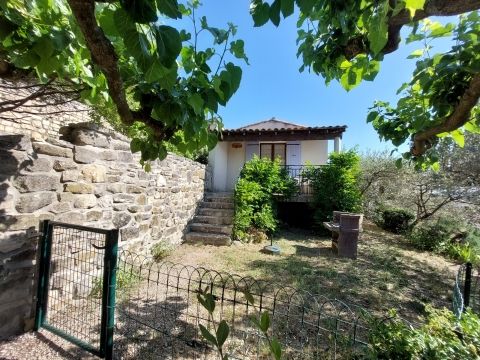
{"x":208,"y":239}
{"x":217,"y":205}
{"x":210,"y":228}
{"x":218,"y":199}
{"x":214,"y":220}
{"x":219,"y":195}
{"x":215,"y":212}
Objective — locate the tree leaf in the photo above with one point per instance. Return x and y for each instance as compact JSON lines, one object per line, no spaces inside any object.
{"x":415,"y":54}
{"x":44,"y":48}
{"x":260,"y":12}
{"x":222,"y":332}
{"x":169,"y":8}
{"x":169,"y":44}
{"x":274,"y":12}
{"x":306,"y":6}
{"x":413,"y":5}
{"x":249,"y":297}
{"x":208,"y":335}
{"x":141,"y":11}
{"x":237,"y":49}
{"x":458,"y":137}
{"x":196,"y":102}
{"x":378,"y":29}
{"x":287,"y":7}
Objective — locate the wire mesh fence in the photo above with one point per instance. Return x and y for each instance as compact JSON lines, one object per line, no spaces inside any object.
{"x":466,"y":290}
{"x":158,"y":315}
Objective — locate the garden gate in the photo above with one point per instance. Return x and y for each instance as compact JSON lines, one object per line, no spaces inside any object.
{"x":76,"y":285}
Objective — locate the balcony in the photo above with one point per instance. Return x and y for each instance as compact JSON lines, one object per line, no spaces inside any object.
{"x":300,"y":173}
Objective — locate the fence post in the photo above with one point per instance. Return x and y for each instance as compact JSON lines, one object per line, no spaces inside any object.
{"x":108,"y":295}
{"x":468,"y":285}
{"x":43,"y":261}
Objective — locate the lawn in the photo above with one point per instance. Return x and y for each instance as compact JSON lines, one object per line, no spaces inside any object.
{"x":387,"y":274}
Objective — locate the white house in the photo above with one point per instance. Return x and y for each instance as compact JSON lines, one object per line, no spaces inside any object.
{"x":295,"y":145}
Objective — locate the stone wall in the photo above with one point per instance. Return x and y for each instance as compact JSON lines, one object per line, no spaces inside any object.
{"x":88,"y":177}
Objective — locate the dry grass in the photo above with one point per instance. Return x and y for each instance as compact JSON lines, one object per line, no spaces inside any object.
{"x":387,"y":274}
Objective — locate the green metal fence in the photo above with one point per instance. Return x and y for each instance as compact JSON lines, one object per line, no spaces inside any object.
{"x":76,"y":286}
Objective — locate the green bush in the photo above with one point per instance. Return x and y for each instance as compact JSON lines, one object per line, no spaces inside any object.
{"x":262,"y":182}
{"x":335,"y":186}
{"x":126,"y":280}
{"x":449,"y":237}
{"x":443,"y":336}
{"x":161,"y":250}
{"x":396,"y":220}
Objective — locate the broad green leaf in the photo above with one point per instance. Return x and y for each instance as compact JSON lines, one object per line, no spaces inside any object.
{"x":306,"y":6}
{"x":275,"y":12}
{"x":235,"y":76}
{"x":136,"y":145}
{"x":169,"y":44}
{"x":415,"y":54}
{"x":249,"y":297}
{"x":169,"y":8}
{"x":265,"y":321}
{"x":472,"y":127}
{"x":378,"y":29}
{"x":435,"y":166}
{"x":44,"y":48}
{"x":458,"y":137}
{"x":413,"y":5}
{"x":141,"y":11}
{"x":276,"y":349}
{"x":237,"y":49}
{"x":287,"y":7}
{"x":372,"y":115}
{"x":222,"y":333}
{"x":208,"y":335}
{"x":260,"y":12}
{"x":196,"y":102}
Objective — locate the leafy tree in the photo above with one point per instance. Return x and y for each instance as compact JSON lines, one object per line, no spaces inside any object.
{"x":347,"y":41}
{"x":122,"y":55}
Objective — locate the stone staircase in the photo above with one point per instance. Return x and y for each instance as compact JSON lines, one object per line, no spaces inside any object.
{"x":213,"y":223}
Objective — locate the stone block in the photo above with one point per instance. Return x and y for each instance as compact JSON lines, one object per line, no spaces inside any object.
{"x":61,"y":207}
{"x":120,"y":207}
{"x":14,"y":142}
{"x":70,"y":176}
{"x":120,"y":145}
{"x":72,"y":217}
{"x":132,"y":189}
{"x":105,"y":201}
{"x":141,"y":199}
{"x":39,"y":164}
{"x":161,"y":181}
{"x":89,"y":137}
{"x":79,"y":188}
{"x":86,"y":154}
{"x":94,"y":215}
{"x":36,"y":182}
{"x":129,"y":233}
{"x":22,"y":222}
{"x":62,"y":165}
{"x":121,"y":219}
{"x":125,"y":156}
{"x":116,"y":188}
{"x":85,"y":201}
{"x":52,"y":150}
{"x":109,"y":155}
{"x":135,"y":208}
{"x":27,"y":203}
{"x":94,"y":173}
{"x":123,"y":198}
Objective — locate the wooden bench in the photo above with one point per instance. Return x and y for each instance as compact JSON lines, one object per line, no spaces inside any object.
{"x":346,"y":229}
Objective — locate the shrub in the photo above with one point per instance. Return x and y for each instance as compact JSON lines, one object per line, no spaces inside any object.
{"x":449,"y":237}
{"x":443,"y":336}
{"x":260,"y":185}
{"x":396,"y":220}
{"x":335,"y":186}
{"x":161,"y":250}
{"x":125,"y":282}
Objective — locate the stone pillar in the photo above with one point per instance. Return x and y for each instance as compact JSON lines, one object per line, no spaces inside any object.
{"x":337,"y":144}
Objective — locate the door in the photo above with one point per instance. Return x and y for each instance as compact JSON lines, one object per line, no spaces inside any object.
{"x":294,"y":158}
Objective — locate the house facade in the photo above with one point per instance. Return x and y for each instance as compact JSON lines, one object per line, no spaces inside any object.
{"x":295,"y":145}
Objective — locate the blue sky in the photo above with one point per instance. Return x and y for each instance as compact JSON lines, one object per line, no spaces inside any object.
{"x":273,"y":86}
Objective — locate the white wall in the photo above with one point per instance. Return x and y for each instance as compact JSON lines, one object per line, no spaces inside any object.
{"x":314,"y":152}
{"x":217,"y":158}
{"x":236,"y":159}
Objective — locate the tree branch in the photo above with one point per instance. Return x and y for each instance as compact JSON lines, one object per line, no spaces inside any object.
{"x":423,"y":140}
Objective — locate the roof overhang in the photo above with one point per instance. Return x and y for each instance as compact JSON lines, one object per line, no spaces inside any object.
{"x":308,"y":133}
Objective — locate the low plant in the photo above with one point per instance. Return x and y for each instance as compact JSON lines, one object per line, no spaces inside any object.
{"x":161,"y":250}
{"x":261,"y":184}
{"x":443,"y":336}
{"x":396,"y":220}
{"x":126,"y":280}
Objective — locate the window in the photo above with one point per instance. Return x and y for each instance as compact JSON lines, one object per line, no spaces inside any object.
{"x":272,"y":151}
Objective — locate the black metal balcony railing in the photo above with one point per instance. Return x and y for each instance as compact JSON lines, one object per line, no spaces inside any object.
{"x":302,"y":175}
